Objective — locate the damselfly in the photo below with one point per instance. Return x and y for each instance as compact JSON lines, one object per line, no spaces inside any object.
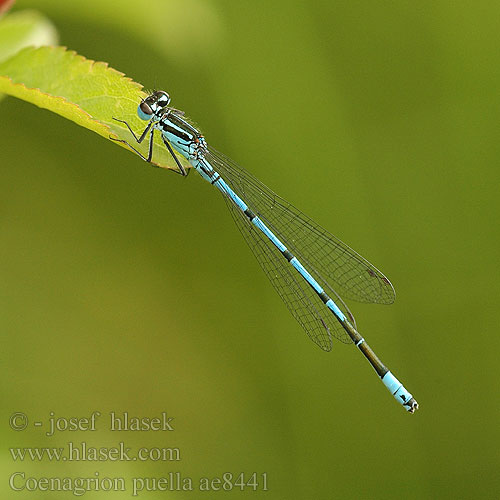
{"x":299,"y":257}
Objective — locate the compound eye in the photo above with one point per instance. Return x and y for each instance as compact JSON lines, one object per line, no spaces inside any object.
{"x":144,"y":111}
{"x":163,"y":99}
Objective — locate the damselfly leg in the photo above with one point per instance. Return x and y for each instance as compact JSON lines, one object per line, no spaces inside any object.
{"x":182,"y":171}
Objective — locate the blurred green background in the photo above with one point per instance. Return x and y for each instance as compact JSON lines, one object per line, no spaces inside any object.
{"x":128,"y":288}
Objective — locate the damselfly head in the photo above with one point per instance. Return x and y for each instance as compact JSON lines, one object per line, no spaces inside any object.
{"x":152,"y":104}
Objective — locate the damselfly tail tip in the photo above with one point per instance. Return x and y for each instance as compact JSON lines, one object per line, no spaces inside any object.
{"x":411,"y":405}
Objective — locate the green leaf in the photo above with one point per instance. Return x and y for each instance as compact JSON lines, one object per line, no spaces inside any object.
{"x":23,"y":29}
{"x":86,"y":92}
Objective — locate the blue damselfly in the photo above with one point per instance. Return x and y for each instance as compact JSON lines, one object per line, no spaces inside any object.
{"x":299,"y":257}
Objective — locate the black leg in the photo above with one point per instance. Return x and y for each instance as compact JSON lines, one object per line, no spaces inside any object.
{"x":182,"y":170}
{"x":150,"y":154}
{"x":141,"y":138}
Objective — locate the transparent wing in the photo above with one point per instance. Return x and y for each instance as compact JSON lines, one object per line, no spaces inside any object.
{"x":327,"y":258}
{"x":303,"y":303}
